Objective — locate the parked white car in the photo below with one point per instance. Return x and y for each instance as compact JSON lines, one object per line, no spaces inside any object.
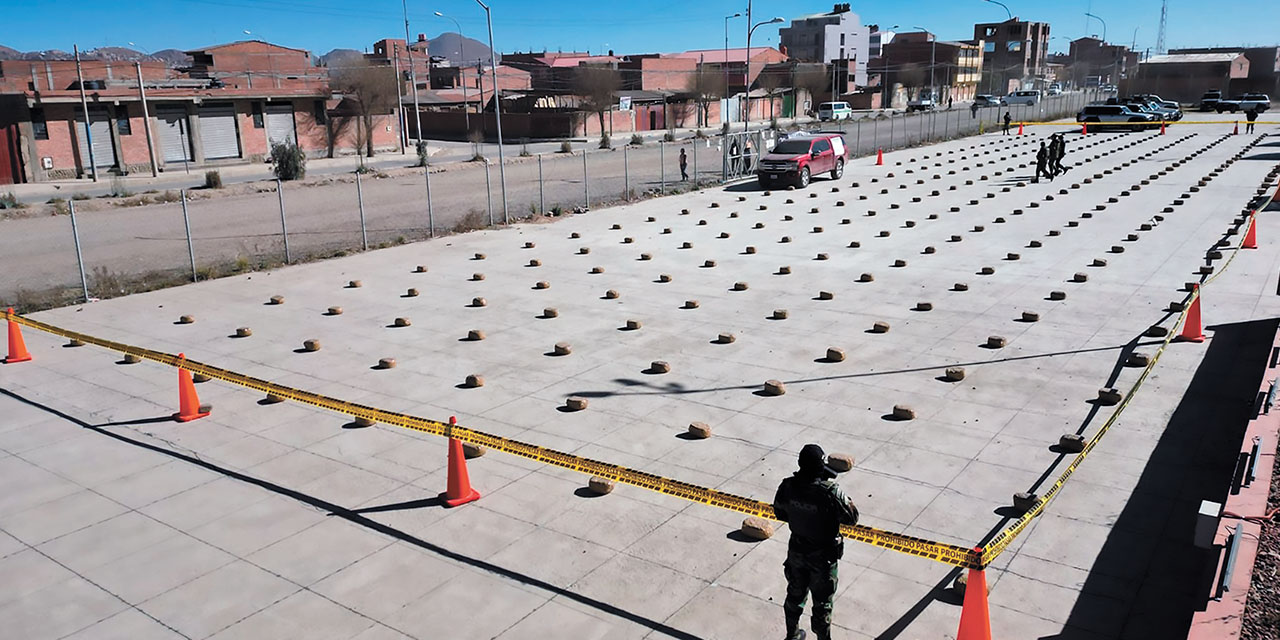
{"x":834,"y":111}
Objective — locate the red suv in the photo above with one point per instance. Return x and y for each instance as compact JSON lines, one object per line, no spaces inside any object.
{"x":797,"y":158}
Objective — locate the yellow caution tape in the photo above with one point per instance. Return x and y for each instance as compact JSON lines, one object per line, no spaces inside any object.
{"x":1002,"y":540}
{"x":920,"y":547}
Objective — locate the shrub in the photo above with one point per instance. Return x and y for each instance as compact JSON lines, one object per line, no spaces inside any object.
{"x":566,"y":147}
{"x":288,"y":161}
{"x":10,"y":201}
{"x":605,"y":142}
{"x":212,"y":180}
{"x":473,"y":220}
{"x":423,"y":156}
{"x":636,"y":140}
{"x":669,"y":137}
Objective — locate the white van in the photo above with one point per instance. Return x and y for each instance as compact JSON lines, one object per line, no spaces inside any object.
{"x":834,"y":111}
{"x":1028,"y":97}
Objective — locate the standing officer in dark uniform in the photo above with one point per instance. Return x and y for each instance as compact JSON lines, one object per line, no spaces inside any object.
{"x":815,"y":507}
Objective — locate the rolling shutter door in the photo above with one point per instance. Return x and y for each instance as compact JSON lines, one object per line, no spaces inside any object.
{"x":104,"y":149}
{"x":175,"y":144}
{"x":218,"y":132}
{"x":280,"y":127}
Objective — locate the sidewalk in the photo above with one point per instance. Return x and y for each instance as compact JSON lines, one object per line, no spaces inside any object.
{"x":442,"y":152}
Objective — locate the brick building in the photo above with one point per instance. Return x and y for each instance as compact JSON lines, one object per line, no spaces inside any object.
{"x":1186,"y":76}
{"x":209,"y":115}
{"x":1264,"y":69}
{"x":1093,"y":62}
{"x":916,"y":61}
{"x":1014,"y":55}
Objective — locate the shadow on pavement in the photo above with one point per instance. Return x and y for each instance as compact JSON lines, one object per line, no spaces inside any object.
{"x":355,"y":517}
{"x":1149,"y":578}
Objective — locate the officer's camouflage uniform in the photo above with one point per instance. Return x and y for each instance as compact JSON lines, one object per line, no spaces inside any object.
{"x":814,"y":507}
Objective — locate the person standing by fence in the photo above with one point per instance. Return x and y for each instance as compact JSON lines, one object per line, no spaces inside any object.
{"x":1250,"y":117}
{"x":1008,"y":120}
{"x":684,"y":166}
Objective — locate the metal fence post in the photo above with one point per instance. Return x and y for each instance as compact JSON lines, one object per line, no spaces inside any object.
{"x":364,"y":234}
{"x":542,"y":196}
{"x":857,"y":145}
{"x":186,"y":222}
{"x":488,"y":192}
{"x":890,"y":130}
{"x":662,"y":167}
{"x":875,"y":133}
{"x":431,"y":217}
{"x":586,"y":193}
{"x":695,"y":163}
{"x":284,"y":227}
{"x":75,"y":234}
{"x":626,"y":175}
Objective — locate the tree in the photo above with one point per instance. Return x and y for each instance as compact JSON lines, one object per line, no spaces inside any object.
{"x":371,"y":90}
{"x":706,"y":85}
{"x":771,"y":80}
{"x":814,"y":82}
{"x":336,"y":125}
{"x":596,"y":87}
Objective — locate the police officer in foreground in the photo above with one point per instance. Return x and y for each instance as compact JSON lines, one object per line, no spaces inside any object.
{"x":815,"y":507}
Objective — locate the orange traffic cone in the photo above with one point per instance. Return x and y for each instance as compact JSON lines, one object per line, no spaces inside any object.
{"x":1251,"y":236}
{"x":879,"y":157}
{"x":188,"y":402}
{"x":1236,"y":131}
{"x":1162,"y":123}
{"x":975,"y":618}
{"x":459,"y":491}
{"x":1191,"y":330}
{"x":1084,"y":128}
{"x":17,"y":348}
{"x":1019,"y":128}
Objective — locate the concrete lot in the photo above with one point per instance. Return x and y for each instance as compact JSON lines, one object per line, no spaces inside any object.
{"x":283,"y":521}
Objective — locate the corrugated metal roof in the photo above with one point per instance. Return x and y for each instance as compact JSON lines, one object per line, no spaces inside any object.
{"x":1192,"y":57}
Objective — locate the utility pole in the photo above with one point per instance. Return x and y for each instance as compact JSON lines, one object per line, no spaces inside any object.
{"x":497,"y":109}
{"x":413,"y":73}
{"x":146,"y":120}
{"x":84,"y":105}
{"x":395,"y":57}
{"x":462,"y":71}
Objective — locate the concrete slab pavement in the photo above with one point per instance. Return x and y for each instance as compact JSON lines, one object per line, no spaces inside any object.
{"x":262,"y":515}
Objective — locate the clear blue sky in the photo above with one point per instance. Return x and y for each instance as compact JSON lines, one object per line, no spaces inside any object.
{"x":635,"y":26}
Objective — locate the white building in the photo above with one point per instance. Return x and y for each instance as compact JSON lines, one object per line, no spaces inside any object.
{"x":835,"y":37}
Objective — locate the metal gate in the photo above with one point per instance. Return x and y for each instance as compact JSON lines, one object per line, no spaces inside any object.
{"x":280,"y":125}
{"x":218,"y":132}
{"x":175,"y":134}
{"x":742,"y":150}
{"x":104,"y":148}
{"x":10,"y":160}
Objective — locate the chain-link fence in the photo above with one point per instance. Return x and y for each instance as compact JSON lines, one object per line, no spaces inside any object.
{"x":122,"y":245}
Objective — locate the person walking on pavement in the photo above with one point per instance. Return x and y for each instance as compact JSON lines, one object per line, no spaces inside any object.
{"x":684,"y":166}
{"x":814,"y":506}
{"x":1042,"y":163}
{"x":1250,"y":116}
{"x":1008,"y":120}
{"x":1057,"y":149}
{"x":973,"y":111}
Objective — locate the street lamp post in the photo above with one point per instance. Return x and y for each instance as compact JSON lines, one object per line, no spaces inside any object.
{"x":462,"y":40}
{"x":746,"y":121}
{"x":1114,"y":79}
{"x":497,"y":108}
{"x":1006,"y":8}
{"x":933,"y":50}
{"x":724,"y":65}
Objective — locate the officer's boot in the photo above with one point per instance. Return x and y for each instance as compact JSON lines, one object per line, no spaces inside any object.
{"x":794,"y":632}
